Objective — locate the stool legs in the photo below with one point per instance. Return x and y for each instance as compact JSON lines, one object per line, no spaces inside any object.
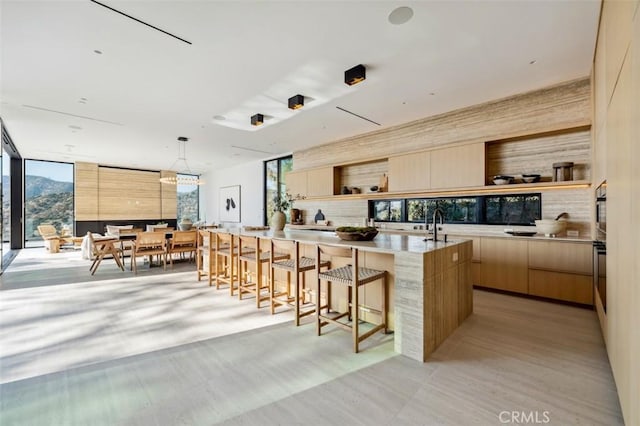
{"x":355,"y":309}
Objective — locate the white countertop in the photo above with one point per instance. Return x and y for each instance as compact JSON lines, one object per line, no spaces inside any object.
{"x":382,"y":243}
{"x":493,"y":234}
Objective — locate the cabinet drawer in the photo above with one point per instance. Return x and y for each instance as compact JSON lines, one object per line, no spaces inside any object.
{"x":557,"y":285}
{"x":560,"y":256}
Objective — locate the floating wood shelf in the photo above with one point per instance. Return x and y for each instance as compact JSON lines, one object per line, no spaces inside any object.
{"x":478,"y":190}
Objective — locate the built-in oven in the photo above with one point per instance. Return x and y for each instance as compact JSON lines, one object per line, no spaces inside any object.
{"x":601,"y":212}
{"x":600,"y":247}
{"x":600,"y":272}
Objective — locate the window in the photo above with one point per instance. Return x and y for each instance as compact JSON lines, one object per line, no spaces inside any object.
{"x":513,"y":209}
{"x":455,"y":210}
{"x":274,"y":183}
{"x":520,"y":209}
{"x":6,"y":202}
{"x":48,"y":198}
{"x":188,"y":201}
{"x":387,"y":210}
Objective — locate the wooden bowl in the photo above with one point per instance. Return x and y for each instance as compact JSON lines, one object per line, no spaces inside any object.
{"x":357,"y":236}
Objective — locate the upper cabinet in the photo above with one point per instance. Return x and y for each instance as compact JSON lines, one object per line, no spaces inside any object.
{"x":312,"y":183}
{"x":296,"y":182}
{"x":457,"y":167}
{"x":321,"y":182}
{"x":410,"y":172}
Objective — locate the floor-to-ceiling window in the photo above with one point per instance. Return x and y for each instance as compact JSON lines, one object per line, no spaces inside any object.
{"x":6,"y":201}
{"x":48,"y":198}
{"x":274,"y":183}
{"x":188,"y":200}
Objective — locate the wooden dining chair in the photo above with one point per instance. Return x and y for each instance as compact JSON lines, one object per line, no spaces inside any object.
{"x":182,"y":242}
{"x":149,"y":244}
{"x":127,"y":238}
{"x":162,"y":228}
{"x":101,"y":247}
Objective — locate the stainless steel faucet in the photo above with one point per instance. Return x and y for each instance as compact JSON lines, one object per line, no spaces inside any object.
{"x":436,"y":212}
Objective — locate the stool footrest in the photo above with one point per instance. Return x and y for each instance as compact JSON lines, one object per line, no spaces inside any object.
{"x":368,"y":309}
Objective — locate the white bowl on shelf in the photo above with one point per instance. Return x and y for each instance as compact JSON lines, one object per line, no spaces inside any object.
{"x":550,"y":227}
{"x":502,"y":180}
{"x":530,"y":178}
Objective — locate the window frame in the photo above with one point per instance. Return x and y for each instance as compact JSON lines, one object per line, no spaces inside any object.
{"x":193,"y":219}
{"x":279,"y":184}
{"x":24,"y":198}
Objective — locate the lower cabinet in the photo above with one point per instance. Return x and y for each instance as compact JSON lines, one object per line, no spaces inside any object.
{"x":562,"y":286}
{"x":553,"y":269}
{"x":504,"y":264}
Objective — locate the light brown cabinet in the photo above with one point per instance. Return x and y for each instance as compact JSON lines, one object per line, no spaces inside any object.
{"x":410,"y":172}
{"x":561,"y":286}
{"x":561,"y":256}
{"x":311,"y":183}
{"x":296,"y":182}
{"x":457,"y":167}
{"x":553,"y":269}
{"x":561,"y":270}
{"x":320,"y":182}
{"x":504,"y":264}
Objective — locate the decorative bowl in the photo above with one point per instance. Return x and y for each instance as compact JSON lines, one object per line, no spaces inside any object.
{"x":502,"y":180}
{"x":353,"y":233}
{"x":530,"y":178}
{"x":550,"y":227}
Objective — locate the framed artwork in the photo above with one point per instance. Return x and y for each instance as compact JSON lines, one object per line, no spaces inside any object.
{"x":230,"y":204}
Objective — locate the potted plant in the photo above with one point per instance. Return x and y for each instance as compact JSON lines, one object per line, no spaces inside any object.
{"x":282,"y":203}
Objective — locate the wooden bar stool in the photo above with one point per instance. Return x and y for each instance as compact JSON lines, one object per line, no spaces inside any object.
{"x":205,"y":260}
{"x":353,"y":276}
{"x":249,"y":251}
{"x":226,"y":254}
{"x":301,"y":299}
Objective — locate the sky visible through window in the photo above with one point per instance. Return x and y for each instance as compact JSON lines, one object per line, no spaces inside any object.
{"x":60,"y":172}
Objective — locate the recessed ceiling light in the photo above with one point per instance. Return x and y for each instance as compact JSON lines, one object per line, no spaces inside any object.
{"x":99,"y":52}
{"x":73,"y":126}
{"x":83,"y":99}
{"x":432,"y":94}
{"x":400,"y":15}
{"x":532,"y":62}
{"x":219,"y":117}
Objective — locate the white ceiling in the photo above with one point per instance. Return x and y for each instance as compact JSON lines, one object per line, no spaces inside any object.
{"x":147,"y":88}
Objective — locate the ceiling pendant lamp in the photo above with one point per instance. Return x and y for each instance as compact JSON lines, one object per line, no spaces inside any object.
{"x":296,"y":102}
{"x":181,"y":166}
{"x":355,"y":75}
{"x":257,"y":120}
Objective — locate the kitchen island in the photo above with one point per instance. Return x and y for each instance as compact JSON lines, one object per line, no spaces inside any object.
{"x":430,"y":282}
